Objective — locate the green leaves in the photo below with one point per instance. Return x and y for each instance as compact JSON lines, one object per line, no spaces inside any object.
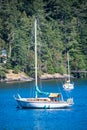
{"x":61,"y":27}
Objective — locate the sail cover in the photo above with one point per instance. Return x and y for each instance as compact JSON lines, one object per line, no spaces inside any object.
{"x":41,"y":92}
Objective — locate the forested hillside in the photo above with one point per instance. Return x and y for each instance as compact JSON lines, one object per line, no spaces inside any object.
{"x":62,"y":27}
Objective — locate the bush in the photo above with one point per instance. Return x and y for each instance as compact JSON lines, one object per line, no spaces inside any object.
{"x":8,"y":64}
{"x":4,"y":70}
{"x":16,"y":70}
{"x":2,"y":75}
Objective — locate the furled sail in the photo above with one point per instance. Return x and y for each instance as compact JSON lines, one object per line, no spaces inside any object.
{"x":41,"y":92}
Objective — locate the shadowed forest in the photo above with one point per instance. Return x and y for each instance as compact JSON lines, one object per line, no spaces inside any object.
{"x":62,"y":27}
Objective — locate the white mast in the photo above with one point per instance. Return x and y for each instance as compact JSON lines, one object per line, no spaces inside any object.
{"x":68,"y":65}
{"x":36,"y":55}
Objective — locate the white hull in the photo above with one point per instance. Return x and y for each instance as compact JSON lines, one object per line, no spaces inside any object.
{"x":68,"y":86}
{"x":32,"y":103}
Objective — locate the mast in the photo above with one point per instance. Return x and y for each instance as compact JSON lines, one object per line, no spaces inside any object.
{"x":35,"y":56}
{"x":68,"y":65}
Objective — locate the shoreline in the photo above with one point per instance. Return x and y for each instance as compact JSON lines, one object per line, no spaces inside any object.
{"x":22,"y":77}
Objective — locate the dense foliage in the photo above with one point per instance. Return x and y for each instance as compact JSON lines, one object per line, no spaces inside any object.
{"x":62,"y":27}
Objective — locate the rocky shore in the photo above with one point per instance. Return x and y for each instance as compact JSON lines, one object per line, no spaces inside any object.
{"x":12,"y":77}
{"x":53,"y":76}
{"x":22,"y":77}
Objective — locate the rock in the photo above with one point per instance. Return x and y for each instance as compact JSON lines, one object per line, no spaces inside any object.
{"x":51,"y":76}
{"x":12,"y":77}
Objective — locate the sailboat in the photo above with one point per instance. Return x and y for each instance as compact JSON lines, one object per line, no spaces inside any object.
{"x":51,"y":101}
{"x":68,"y":85}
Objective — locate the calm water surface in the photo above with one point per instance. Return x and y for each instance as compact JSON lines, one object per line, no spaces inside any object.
{"x":12,"y":118}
